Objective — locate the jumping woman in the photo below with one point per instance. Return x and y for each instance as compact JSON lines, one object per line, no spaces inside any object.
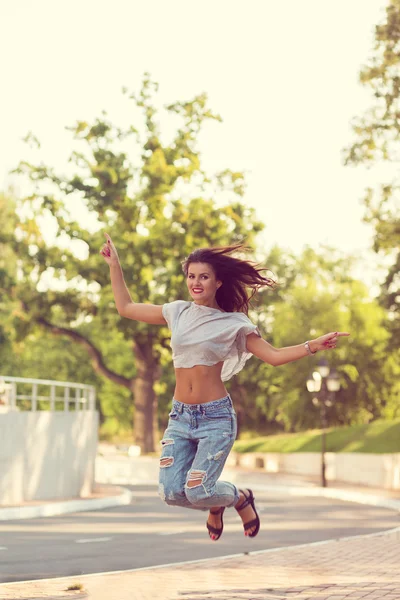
{"x":212,"y":338}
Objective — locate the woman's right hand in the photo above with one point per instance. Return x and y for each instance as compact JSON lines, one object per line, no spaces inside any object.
{"x":109,"y":252}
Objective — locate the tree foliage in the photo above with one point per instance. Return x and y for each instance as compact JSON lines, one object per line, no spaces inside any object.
{"x":157,"y":208}
{"x":319,"y":295}
{"x":158,"y":205}
{"x":377,"y":140}
{"x":315,"y":294}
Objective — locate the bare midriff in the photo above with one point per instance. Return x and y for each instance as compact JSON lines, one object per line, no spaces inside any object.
{"x":199,"y":384}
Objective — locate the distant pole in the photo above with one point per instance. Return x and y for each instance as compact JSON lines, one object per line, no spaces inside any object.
{"x":323,"y":436}
{"x":323,"y":382}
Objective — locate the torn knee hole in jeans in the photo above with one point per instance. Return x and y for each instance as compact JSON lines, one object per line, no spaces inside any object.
{"x":196,"y":478}
{"x":167,"y":442}
{"x":166,"y":461}
{"x":216,"y":456}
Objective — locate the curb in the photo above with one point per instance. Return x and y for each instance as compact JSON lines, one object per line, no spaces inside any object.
{"x":68,"y":506}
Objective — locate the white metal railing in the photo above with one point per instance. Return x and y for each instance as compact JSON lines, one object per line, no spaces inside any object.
{"x":77,"y":395}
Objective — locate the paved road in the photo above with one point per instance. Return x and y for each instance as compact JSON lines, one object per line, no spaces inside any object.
{"x":149,"y":533}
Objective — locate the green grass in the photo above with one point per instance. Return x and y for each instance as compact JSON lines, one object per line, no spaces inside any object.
{"x":378,"y":437}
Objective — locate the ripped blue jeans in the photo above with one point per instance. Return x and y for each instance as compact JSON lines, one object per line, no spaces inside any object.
{"x":195,"y":447}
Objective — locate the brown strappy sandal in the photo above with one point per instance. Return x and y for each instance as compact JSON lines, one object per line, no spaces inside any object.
{"x":214,"y":530}
{"x":249,"y":500}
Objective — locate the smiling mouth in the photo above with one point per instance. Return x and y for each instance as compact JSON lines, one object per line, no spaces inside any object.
{"x":197,"y":290}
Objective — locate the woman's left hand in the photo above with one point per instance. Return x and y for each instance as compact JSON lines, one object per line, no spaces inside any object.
{"x":327,"y":341}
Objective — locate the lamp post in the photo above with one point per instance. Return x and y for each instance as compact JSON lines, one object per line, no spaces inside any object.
{"x":323,"y":382}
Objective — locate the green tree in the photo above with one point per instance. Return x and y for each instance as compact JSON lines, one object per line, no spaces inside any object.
{"x":8,"y":268}
{"x":317,"y":294}
{"x":39,"y":354}
{"x":378,"y":141}
{"x":157,"y":209}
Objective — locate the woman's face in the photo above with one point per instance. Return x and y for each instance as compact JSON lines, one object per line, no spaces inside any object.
{"x":201,"y":281}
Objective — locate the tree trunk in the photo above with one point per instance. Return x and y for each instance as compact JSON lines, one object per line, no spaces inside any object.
{"x":145,"y":428}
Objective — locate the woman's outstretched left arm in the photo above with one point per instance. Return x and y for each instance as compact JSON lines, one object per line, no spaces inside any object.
{"x":281,"y":356}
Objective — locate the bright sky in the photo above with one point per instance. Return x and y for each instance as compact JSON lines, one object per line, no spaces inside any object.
{"x":283,"y":76}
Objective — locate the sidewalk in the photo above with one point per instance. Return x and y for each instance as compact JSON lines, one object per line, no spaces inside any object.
{"x":301,"y":485}
{"x":307,"y":481}
{"x":103,"y":496}
{"x":364,"y":567}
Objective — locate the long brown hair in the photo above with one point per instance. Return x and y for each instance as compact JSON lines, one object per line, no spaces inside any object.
{"x":236,"y":275}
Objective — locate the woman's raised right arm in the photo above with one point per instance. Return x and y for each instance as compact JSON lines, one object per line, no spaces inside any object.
{"x":148,"y":313}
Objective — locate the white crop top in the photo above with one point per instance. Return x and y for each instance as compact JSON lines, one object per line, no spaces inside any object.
{"x":205,"y":336}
